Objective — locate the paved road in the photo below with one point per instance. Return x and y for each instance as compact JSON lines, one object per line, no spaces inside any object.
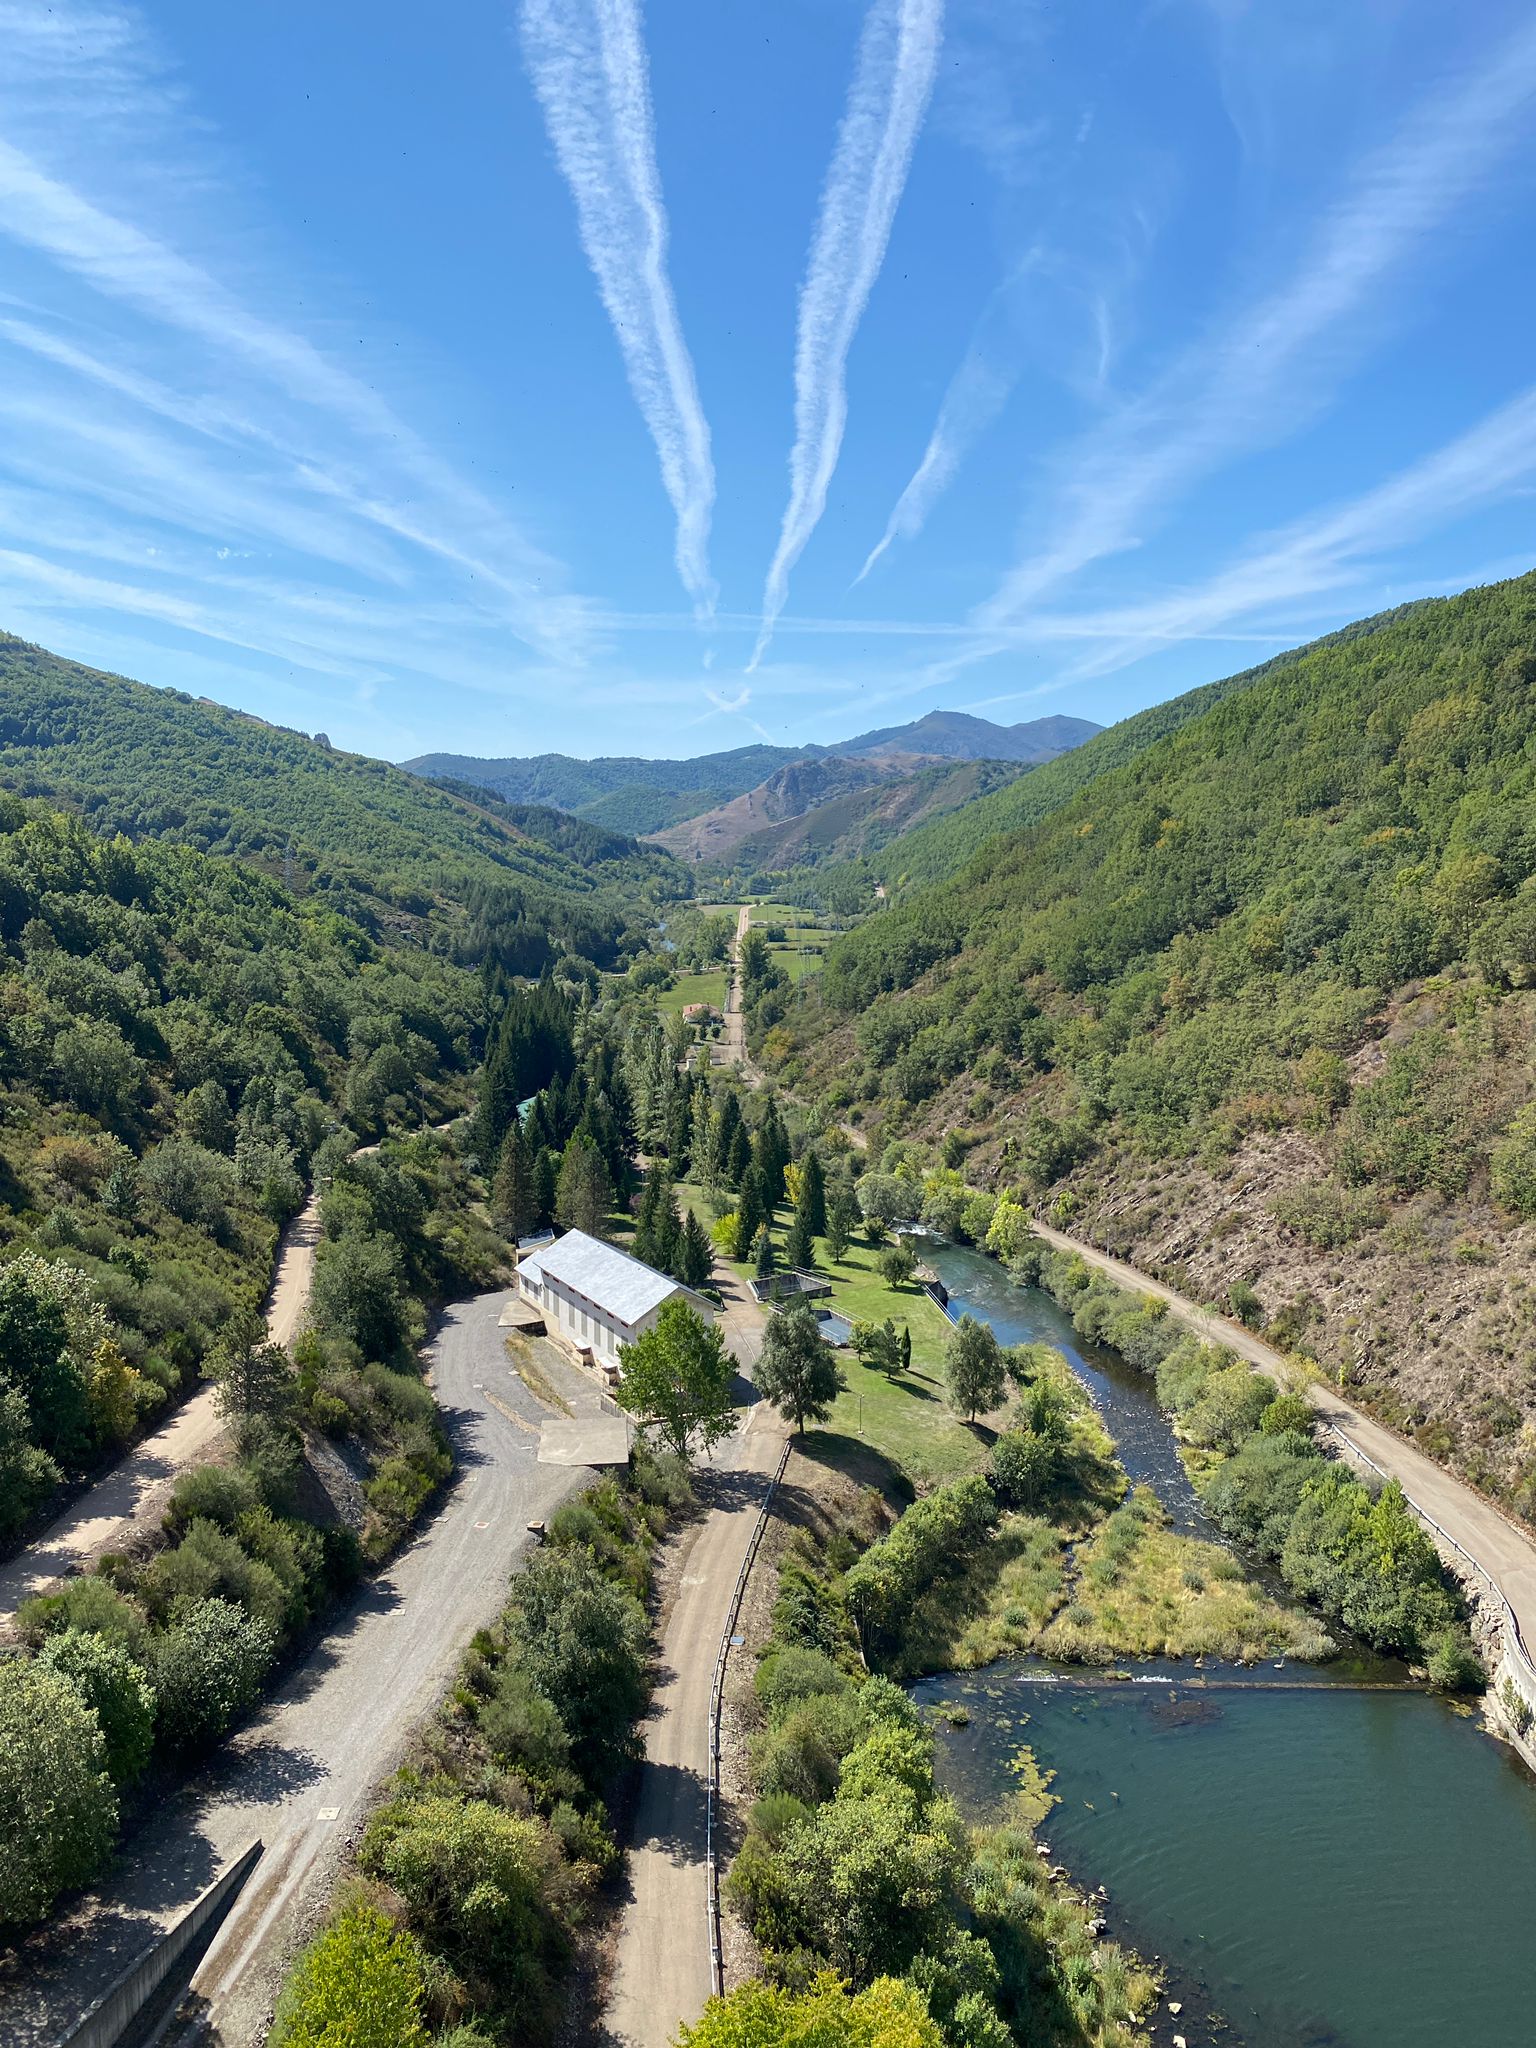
{"x":139,"y":1485}
{"x":661,"y":1970}
{"x":300,"y":1775}
{"x":1506,"y":1554}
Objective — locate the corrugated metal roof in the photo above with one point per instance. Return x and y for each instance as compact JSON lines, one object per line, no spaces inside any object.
{"x":603,"y":1275}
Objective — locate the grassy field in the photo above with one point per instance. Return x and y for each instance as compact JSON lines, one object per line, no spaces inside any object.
{"x":907,"y":1420}
{"x":708,"y":987}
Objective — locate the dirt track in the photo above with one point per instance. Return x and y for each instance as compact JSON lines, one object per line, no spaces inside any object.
{"x":139,"y":1485}
{"x":661,"y":1973}
{"x":1505,"y":1553}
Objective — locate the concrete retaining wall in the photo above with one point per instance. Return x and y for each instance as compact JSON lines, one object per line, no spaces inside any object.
{"x":104,"y":2024}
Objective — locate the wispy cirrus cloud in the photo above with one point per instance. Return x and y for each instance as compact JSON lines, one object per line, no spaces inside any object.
{"x":588,"y":64}
{"x":892,"y":82}
{"x":1255,"y":376}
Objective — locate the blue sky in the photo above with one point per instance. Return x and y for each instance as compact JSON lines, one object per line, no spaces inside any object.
{"x":561,"y":375}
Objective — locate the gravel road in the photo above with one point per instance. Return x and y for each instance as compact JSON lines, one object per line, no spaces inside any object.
{"x":300,"y":1775}
{"x":661,"y":1968}
{"x":139,"y":1485}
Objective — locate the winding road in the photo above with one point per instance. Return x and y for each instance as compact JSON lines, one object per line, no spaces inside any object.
{"x":1505,"y":1554}
{"x":301,"y":1774}
{"x":139,"y":1485}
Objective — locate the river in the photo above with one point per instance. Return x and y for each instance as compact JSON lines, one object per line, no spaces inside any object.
{"x":1322,"y":1856}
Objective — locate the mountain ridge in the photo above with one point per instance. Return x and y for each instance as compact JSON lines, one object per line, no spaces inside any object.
{"x":646,"y":796}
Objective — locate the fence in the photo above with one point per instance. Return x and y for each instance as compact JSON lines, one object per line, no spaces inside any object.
{"x":105,"y":2023}
{"x":712,"y":1787}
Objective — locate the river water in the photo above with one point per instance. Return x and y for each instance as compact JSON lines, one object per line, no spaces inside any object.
{"x":1322,"y":1856}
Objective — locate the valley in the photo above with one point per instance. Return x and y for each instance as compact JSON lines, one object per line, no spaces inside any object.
{"x":1234,"y":1020}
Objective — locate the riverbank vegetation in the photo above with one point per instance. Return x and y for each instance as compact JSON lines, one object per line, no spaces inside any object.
{"x":1358,"y":1554}
{"x":855,"y":1863}
{"x":476,"y":1881}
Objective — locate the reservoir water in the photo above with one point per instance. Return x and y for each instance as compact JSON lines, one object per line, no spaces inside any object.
{"x":1324,"y":1858}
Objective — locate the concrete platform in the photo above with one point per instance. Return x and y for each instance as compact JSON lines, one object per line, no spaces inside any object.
{"x":586,"y":1440}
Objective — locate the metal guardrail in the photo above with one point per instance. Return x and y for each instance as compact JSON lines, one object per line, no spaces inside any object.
{"x":1512,"y":1631}
{"x":712,"y":1781}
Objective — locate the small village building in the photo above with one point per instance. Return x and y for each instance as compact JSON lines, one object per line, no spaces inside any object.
{"x":699,"y":1013}
{"x":597,"y":1297}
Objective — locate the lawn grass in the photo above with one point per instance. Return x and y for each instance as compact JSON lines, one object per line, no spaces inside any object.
{"x":907,"y":1420}
{"x":708,"y":987}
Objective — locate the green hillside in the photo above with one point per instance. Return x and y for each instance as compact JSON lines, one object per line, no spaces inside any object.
{"x":383,"y":845}
{"x":178,"y":1036}
{"x":1265,"y":991}
{"x":931,"y":850}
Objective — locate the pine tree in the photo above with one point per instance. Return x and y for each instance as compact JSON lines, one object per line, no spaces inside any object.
{"x":545,"y":1182}
{"x":513,"y":1194}
{"x":724,"y":1125}
{"x":695,"y":1256}
{"x":763,"y":1255}
{"x":584,"y":1194}
{"x":679,"y":1133}
{"x":669,"y":1235}
{"x":739,"y":1162}
{"x":645,"y":1240}
{"x":906,"y":1347}
{"x":799,"y":1245}
{"x":749,"y":1217}
{"x":813,"y":1193}
{"x":842,"y":1220}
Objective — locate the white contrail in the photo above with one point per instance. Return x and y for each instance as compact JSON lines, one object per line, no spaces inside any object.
{"x":977,"y":394}
{"x":892,"y":80}
{"x":588,"y":64}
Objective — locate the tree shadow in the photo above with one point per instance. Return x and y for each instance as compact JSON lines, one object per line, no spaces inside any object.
{"x":670,"y":1814}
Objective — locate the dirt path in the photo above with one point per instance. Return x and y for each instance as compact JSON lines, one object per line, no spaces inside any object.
{"x":662,"y":1970}
{"x":139,"y":1485}
{"x":302,"y":1774}
{"x":1504,"y":1553}
{"x":732,"y":1043}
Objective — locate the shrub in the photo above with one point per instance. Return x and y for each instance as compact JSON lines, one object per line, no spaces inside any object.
{"x":360,"y":1984}
{"x":790,"y":1674}
{"x":484,"y":1886}
{"x":210,"y":1493}
{"x":58,"y":1809}
{"x":91,"y":1605}
{"x":758,"y":2015}
{"x":116,"y":1690}
{"x":1023,"y":1466}
{"x":209,"y":1667}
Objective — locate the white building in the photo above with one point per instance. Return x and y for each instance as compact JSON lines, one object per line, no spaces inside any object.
{"x":597,"y":1297}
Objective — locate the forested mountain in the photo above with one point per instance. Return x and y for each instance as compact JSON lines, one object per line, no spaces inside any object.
{"x":378,"y":843}
{"x":1261,"y":991}
{"x":178,"y":1035}
{"x":831,"y":811}
{"x":624,"y":792}
{"x":633,"y":795}
{"x":932,"y":849}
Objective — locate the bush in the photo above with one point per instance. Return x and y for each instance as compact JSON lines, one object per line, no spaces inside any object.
{"x":484,"y":1886}
{"x":360,"y":1984}
{"x":1023,"y":1466}
{"x":758,"y":2015}
{"x":208,"y":1669}
{"x":116,"y":1690}
{"x":210,"y":1493}
{"x":789,"y":1675}
{"x":93,"y":1606}
{"x":58,"y":1809}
